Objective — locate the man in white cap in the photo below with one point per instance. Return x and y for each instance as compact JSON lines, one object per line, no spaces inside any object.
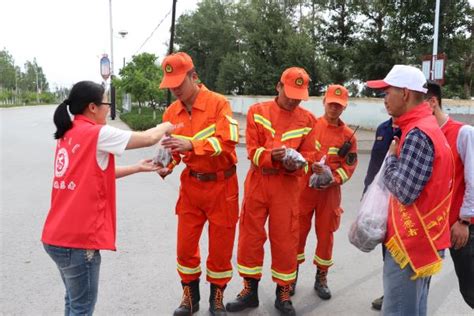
{"x":419,"y":176}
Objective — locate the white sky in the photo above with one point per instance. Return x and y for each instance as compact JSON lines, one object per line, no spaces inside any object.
{"x":68,"y":37}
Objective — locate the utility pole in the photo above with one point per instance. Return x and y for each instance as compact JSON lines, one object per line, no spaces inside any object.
{"x":170,"y":50}
{"x":112,"y":88}
{"x":435,"y":42}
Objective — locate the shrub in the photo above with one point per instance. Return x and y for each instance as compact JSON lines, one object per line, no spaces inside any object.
{"x":143,"y":121}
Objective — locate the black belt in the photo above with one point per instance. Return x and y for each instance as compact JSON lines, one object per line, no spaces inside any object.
{"x":213,"y":176}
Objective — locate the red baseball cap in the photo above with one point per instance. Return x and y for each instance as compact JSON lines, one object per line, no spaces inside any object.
{"x":337,"y":94}
{"x":295,"y":83}
{"x":175,"y":67}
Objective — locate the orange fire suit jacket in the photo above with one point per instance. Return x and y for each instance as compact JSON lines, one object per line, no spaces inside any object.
{"x":267,"y":129}
{"x":212,"y":131}
{"x":329,"y":139}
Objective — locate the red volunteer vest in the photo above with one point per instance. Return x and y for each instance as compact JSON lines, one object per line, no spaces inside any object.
{"x":451,"y":131}
{"x":82,"y":213}
{"x":416,"y":232}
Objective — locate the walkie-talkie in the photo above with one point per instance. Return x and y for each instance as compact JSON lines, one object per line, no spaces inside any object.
{"x":342,"y":152}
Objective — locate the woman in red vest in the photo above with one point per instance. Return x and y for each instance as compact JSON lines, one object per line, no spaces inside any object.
{"x":81,"y":220}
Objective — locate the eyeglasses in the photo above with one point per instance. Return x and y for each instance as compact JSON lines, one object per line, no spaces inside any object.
{"x":106,"y":103}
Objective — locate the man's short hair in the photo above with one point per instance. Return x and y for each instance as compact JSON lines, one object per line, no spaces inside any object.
{"x":434,"y":90}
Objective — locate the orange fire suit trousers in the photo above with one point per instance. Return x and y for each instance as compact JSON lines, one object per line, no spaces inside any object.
{"x":198,"y":202}
{"x":274,"y":197}
{"x":325,"y":205}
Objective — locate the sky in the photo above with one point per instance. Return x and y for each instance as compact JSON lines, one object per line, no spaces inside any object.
{"x":68,"y":37}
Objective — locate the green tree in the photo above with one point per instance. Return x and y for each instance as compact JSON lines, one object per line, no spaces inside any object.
{"x":207,"y":35}
{"x":7,"y":71}
{"x":373,"y":42}
{"x":141,"y":78}
{"x":338,"y":35}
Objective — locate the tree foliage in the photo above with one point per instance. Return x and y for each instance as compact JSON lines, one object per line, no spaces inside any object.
{"x":26,"y":85}
{"x":141,"y":78}
{"x":242,"y":46}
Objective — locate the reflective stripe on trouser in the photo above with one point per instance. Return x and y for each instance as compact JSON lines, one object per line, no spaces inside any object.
{"x":325,"y":205}
{"x":267,"y":196}
{"x":192,"y":215}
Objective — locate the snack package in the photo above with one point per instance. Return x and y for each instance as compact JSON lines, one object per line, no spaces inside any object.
{"x":163,"y":156}
{"x":319,"y":180}
{"x":370,"y":226}
{"x":292,"y":157}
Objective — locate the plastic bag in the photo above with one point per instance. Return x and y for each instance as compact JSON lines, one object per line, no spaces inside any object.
{"x":319,"y":180}
{"x":163,"y":155}
{"x":292,"y":157}
{"x":370,"y":226}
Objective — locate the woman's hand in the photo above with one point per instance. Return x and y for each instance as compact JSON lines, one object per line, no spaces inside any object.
{"x":147,"y":165}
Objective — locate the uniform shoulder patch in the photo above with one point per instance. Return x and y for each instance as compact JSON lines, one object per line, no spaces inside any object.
{"x":351,"y":159}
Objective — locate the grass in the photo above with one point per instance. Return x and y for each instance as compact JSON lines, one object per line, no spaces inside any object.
{"x":143,"y":121}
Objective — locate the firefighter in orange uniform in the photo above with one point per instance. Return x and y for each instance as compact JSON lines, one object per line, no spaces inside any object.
{"x":205,"y":142}
{"x":274,"y":129}
{"x":337,"y":142}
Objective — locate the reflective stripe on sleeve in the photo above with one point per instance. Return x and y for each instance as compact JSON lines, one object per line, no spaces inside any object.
{"x":256,"y":156}
{"x":216,"y":145}
{"x":264,"y":122}
{"x":343,"y":174}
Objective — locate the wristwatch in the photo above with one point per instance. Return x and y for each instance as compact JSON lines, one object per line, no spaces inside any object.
{"x":464,"y":222}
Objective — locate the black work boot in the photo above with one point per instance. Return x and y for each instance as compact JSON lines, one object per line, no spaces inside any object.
{"x":283,"y":301}
{"x":247,"y":298}
{"x":190,"y":301}
{"x":216,"y":304}
{"x":293,"y":285}
{"x":321,"y":285}
{"x":377,"y":303}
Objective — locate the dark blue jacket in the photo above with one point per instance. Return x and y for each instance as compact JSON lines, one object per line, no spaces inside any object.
{"x":383,"y":137}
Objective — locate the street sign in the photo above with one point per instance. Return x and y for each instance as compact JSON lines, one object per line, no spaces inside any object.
{"x":434,"y":67}
{"x":105,"y":67}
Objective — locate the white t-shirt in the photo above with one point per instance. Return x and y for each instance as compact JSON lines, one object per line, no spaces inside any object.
{"x":465,"y":145}
{"x":111,"y":141}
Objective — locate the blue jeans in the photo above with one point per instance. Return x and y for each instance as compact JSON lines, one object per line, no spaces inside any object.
{"x":79,"y":270}
{"x":403,"y":296}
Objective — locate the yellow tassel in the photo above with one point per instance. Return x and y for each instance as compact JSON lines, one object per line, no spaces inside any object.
{"x":397,"y":252}
{"x":428,"y":270}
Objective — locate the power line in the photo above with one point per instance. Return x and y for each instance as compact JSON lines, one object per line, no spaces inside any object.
{"x":151,"y":35}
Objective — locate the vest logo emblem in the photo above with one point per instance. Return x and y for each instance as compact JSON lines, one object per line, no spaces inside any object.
{"x":62,"y":163}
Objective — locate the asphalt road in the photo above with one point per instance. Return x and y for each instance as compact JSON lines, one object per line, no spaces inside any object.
{"x":140,"y":278}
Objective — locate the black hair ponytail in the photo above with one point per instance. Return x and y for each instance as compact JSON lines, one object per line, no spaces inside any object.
{"x":62,"y":120}
{"x":82,"y":94}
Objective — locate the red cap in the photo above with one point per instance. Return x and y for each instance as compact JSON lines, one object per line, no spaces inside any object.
{"x":295,"y":83}
{"x":175,"y":67}
{"x":337,"y":94}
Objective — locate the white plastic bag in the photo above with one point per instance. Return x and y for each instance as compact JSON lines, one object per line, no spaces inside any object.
{"x":163,"y":155}
{"x":319,"y":180}
{"x":292,"y":157}
{"x":370,"y":226}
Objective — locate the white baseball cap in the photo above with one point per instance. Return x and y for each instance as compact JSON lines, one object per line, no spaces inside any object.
{"x":401,"y":76}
